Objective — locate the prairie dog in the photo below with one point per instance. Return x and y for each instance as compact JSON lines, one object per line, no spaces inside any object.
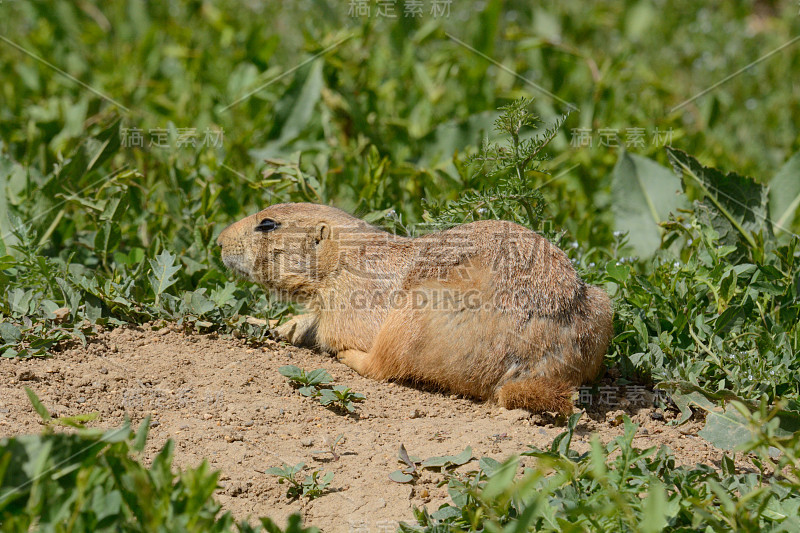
{"x":488,"y":309}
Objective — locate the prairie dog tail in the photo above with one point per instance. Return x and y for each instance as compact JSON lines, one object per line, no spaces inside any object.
{"x":537,"y":394}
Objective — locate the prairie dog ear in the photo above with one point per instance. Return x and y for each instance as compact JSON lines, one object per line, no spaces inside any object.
{"x":322,"y":232}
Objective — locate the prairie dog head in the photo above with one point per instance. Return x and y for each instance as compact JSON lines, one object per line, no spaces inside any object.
{"x":291,"y":249}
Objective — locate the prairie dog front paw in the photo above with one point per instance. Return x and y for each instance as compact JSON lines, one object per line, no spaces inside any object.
{"x":301,"y":330}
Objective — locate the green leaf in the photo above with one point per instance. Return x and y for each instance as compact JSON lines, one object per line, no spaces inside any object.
{"x":309,"y":391}
{"x":198,"y":304}
{"x":11,"y":334}
{"x":784,"y":194}
{"x":20,"y":301}
{"x":488,"y":465}
{"x":726,"y":428}
{"x":107,"y":238}
{"x":292,"y":372}
{"x":224,"y":295}
{"x":463,"y":457}
{"x":643,"y":194}
{"x":409,"y":461}
{"x":398,"y":476}
{"x":163,"y":272}
{"x":9,"y":171}
{"x":119,"y":434}
{"x":140,"y":440}
{"x":447,"y":512}
{"x":561,"y":443}
{"x":295,"y":109}
{"x":654,"y":508}
{"x":741,"y":200}
{"x":38,"y":406}
{"x":727,"y":287}
{"x":327,"y":397}
{"x":110,"y":142}
{"x":114,"y":208}
{"x":618,"y":273}
{"x":275,"y":471}
{"x":449,"y":460}
{"x":502,"y":479}
{"x":76,"y":421}
{"x":319,"y":377}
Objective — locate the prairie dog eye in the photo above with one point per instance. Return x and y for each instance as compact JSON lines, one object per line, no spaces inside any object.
{"x":267,"y":225}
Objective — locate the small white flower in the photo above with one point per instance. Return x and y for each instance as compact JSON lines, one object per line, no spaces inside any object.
{"x":689,"y":242}
{"x":591,"y":265}
{"x":482,"y":211}
{"x":391,"y":213}
{"x":574,"y":244}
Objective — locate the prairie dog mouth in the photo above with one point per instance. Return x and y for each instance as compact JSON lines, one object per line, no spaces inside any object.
{"x":234,"y":263}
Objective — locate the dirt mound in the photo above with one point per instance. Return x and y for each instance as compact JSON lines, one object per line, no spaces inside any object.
{"x":225,"y":401}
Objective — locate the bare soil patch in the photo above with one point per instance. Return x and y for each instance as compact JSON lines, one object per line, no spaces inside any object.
{"x":225,"y":401}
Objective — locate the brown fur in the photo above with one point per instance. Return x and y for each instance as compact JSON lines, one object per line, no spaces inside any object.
{"x":488,"y":309}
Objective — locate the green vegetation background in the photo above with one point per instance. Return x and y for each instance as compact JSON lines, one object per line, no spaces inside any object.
{"x":256,"y":103}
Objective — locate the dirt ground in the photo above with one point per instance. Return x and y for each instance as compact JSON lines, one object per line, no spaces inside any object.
{"x":225,"y":401}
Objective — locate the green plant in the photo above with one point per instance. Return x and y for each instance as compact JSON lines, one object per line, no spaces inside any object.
{"x":510,"y":165}
{"x":311,"y":486}
{"x":95,"y":480}
{"x":718,"y":307}
{"x":414,"y":464}
{"x":623,"y":488}
{"x":410,"y":471}
{"x":307,"y":382}
{"x":331,"y":445}
{"x":340,"y":397}
{"x":315,"y":384}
